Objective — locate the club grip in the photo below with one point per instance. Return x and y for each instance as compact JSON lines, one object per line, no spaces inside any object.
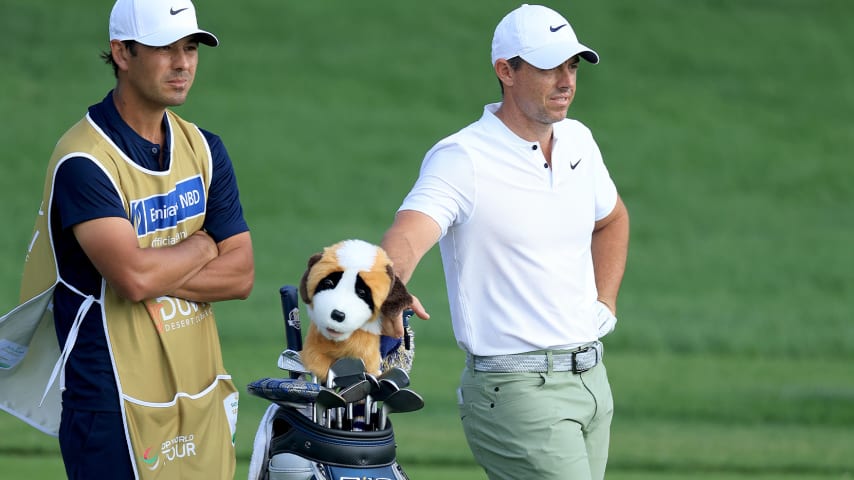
{"x":290,"y":311}
{"x":407,"y":341}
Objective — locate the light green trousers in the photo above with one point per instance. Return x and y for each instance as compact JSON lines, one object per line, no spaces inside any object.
{"x":548,"y":426}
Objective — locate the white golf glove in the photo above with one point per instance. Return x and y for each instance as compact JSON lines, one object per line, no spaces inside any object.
{"x":605,"y":319}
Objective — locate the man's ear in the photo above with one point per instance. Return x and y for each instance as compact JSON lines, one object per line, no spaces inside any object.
{"x":121,"y":54}
{"x":504,"y":72}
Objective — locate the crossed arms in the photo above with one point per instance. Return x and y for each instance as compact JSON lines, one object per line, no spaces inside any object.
{"x":196,"y":269}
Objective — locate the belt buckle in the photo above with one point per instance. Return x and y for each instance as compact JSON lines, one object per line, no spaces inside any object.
{"x":575,"y":368}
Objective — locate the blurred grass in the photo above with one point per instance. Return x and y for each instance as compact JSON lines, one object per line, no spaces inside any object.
{"x":725,"y":123}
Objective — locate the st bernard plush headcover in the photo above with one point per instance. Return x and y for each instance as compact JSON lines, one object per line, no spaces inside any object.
{"x":348,"y":289}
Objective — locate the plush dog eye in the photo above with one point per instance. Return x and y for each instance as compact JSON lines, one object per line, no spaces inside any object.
{"x":329,"y":282}
{"x":363,"y":291}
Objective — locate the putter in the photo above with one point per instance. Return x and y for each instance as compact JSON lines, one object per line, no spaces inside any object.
{"x":285,"y":389}
{"x":404,"y":400}
{"x":287,"y":392}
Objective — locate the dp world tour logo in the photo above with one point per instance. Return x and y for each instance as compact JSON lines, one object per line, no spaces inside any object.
{"x":182,"y":446}
{"x":162,"y":212}
{"x":151,"y":461}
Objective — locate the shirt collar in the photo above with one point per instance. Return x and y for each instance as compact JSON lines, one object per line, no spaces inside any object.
{"x":492,"y":120}
{"x":107,"y":117}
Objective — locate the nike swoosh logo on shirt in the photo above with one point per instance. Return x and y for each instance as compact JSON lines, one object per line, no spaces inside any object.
{"x":573,"y":165}
{"x":554,"y":29}
{"x":172,"y":11}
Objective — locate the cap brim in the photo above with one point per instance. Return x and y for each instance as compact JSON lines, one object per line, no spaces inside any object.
{"x":550,"y":56}
{"x":163,"y":38}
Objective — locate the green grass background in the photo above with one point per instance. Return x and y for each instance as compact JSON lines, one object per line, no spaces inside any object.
{"x":727,"y":125}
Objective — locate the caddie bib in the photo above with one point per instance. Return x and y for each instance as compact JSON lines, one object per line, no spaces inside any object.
{"x":178,"y":403}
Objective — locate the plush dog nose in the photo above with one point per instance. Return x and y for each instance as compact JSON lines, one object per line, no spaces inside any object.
{"x":338,"y":315}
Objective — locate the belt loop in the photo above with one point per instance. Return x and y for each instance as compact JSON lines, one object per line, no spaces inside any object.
{"x":550,"y":362}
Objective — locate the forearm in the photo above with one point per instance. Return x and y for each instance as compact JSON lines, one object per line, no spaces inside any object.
{"x":229,"y":276}
{"x":402,"y":255}
{"x":137,"y":273}
{"x":158,"y":271}
{"x":609,"y":247}
{"x":408,"y":239}
{"x":411,"y":236}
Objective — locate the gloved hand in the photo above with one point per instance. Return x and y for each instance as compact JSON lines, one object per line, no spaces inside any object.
{"x":605,"y":319}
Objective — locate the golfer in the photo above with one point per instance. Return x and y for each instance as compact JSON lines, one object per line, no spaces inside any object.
{"x":534,"y":239}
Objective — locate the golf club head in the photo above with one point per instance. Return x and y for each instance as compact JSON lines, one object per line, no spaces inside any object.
{"x":356,"y":392}
{"x":344,"y":381}
{"x":329,"y":399}
{"x":291,"y":361}
{"x":387,"y":388}
{"x":325,"y":401}
{"x":396,"y":375}
{"x":375,"y":384}
{"x":348,"y":370}
{"x":404,"y":400}
{"x":284,"y":390}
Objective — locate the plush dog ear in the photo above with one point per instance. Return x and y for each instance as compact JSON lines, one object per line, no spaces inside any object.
{"x":303,"y":288}
{"x":398,"y":296}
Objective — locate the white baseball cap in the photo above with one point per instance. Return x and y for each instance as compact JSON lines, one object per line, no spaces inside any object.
{"x":156,"y":23}
{"x":541,"y":36}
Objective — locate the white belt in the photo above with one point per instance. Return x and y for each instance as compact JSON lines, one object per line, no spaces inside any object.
{"x":578,"y":361}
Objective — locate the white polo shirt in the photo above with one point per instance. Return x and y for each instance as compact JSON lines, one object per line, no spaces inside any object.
{"x":516,"y":234}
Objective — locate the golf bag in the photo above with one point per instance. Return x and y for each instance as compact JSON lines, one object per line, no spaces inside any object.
{"x":334,"y":431}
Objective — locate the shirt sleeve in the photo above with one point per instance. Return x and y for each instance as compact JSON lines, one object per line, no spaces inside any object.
{"x":82,"y":192}
{"x":445,"y":189}
{"x":224,"y":216}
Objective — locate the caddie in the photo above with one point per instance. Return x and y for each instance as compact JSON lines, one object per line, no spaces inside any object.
{"x":140,"y":229}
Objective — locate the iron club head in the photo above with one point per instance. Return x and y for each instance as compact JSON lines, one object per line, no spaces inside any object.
{"x":403,"y":400}
{"x":291,"y":361}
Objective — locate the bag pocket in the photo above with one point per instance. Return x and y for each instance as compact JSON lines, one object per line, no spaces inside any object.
{"x":187,"y":438}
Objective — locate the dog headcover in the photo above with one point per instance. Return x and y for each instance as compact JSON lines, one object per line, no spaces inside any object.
{"x":388,"y":295}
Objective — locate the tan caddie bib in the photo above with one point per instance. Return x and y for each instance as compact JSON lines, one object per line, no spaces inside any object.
{"x":178,"y":403}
